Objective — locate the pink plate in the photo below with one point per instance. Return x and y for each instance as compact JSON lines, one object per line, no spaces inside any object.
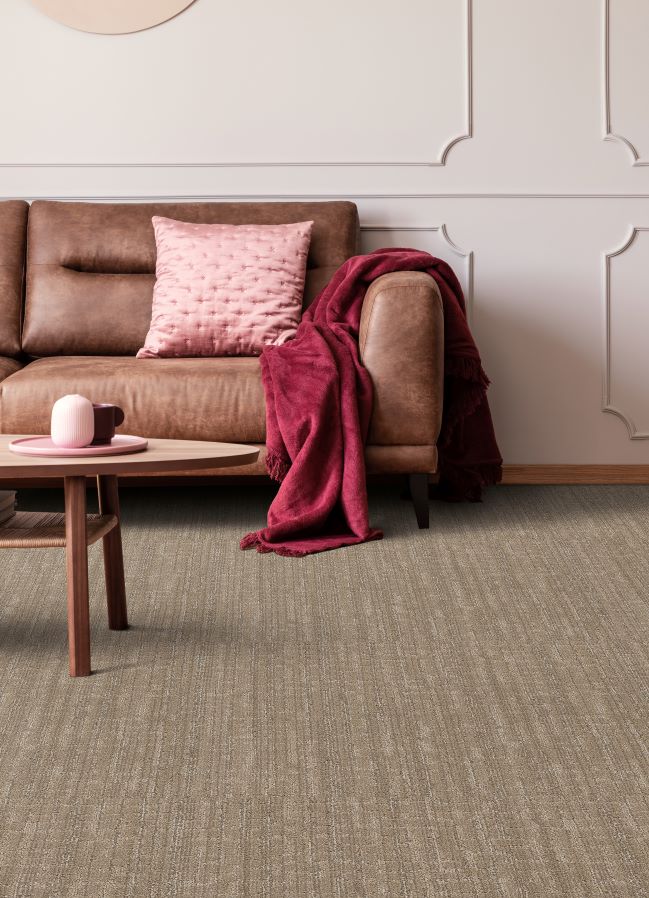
{"x":121,"y":444}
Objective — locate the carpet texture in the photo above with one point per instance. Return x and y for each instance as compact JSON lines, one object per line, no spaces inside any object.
{"x":454,"y":713}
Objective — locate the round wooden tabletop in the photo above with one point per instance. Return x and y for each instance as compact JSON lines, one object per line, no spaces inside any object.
{"x":160,"y":456}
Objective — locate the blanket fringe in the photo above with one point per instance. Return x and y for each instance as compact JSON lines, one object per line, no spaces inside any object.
{"x":462,"y":408}
{"x":490,"y":473}
{"x":465,"y":484}
{"x":473,"y":392}
{"x":285,"y":552}
{"x":277,"y":465}
{"x":249,"y":541}
{"x":252,"y":541}
{"x":466,"y":369}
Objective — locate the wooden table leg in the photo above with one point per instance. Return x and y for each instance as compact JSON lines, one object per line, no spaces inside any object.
{"x":113,"y":557}
{"x":76,"y":550}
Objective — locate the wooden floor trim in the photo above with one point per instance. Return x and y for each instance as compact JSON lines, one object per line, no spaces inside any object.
{"x":576,"y":474}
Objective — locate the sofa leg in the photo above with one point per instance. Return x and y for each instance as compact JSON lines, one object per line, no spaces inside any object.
{"x":418,"y":484}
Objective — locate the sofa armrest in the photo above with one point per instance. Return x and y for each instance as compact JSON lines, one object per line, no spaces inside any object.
{"x":401,"y":343}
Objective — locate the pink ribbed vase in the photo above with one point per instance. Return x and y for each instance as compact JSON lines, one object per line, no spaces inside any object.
{"x":73,"y":422}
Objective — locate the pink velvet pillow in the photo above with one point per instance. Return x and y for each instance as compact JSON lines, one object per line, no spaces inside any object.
{"x":225,"y":289}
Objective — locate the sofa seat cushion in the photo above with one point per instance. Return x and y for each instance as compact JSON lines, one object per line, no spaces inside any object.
{"x":195,"y":399}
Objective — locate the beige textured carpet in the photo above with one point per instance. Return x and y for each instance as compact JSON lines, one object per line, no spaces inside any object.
{"x":456,"y":713}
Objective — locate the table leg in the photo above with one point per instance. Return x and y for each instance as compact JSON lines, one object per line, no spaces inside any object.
{"x":77,"y":569}
{"x":113,"y":557}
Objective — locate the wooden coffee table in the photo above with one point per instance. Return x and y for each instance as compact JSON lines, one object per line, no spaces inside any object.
{"x":75,"y":530}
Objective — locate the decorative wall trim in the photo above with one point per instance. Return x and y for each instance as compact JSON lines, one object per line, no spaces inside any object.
{"x":443,"y":232}
{"x":609,"y":134}
{"x":607,"y":406}
{"x":207,"y":197}
{"x":466,"y":134}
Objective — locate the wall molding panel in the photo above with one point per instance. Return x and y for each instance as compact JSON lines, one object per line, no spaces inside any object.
{"x":442,"y":232}
{"x":609,"y":133}
{"x":439,"y":159}
{"x":635,"y":432}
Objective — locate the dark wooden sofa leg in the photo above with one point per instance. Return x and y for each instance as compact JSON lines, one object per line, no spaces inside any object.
{"x":418,"y":484}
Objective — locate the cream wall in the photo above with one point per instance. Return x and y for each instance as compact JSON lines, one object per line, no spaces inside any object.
{"x":473,"y":129}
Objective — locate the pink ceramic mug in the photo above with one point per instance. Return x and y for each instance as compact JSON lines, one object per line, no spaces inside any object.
{"x":107,"y":418}
{"x":72,"y":425}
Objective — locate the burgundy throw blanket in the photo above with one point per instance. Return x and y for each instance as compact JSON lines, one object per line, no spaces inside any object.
{"x":319,"y":402}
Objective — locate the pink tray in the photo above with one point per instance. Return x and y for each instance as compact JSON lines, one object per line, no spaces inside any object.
{"x":120,"y":445}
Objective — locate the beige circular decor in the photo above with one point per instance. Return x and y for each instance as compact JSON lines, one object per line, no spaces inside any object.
{"x":111,"y":16}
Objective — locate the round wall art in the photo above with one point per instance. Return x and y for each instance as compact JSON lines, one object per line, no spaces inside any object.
{"x":111,"y":16}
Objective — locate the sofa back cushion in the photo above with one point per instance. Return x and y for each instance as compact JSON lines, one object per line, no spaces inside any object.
{"x":91,"y":266}
{"x":13,"y":230}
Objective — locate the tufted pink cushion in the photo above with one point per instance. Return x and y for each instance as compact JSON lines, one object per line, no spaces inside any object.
{"x":225,"y":289}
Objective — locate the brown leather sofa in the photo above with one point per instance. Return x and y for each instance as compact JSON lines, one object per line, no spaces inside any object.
{"x":76,"y":283}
